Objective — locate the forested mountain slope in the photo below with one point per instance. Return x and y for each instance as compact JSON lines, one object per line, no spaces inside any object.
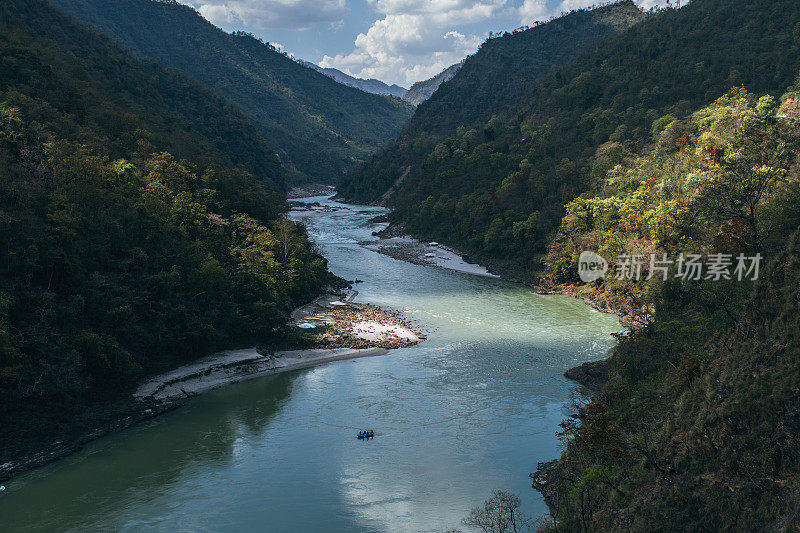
{"x":497,"y":190}
{"x":122,"y":93}
{"x":507,"y":68}
{"x":498,"y":76}
{"x":317,"y":126}
{"x":140,"y":220}
{"x":695,"y":425}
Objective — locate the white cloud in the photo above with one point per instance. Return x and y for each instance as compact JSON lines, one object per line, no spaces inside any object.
{"x":411,"y":40}
{"x":266,"y":14}
{"x":649,"y":4}
{"x":415,"y":39}
{"x":220,"y":15}
{"x":282,"y":49}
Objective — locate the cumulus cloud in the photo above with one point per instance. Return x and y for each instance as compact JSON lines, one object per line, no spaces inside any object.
{"x":532,"y":10}
{"x":411,"y":40}
{"x":267,"y":14}
{"x":415,"y":39}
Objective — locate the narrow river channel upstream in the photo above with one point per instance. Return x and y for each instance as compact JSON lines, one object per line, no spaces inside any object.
{"x":470,"y":410}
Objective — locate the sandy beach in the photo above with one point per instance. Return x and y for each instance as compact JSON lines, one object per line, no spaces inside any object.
{"x":238,"y":365}
{"x":340,"y":329}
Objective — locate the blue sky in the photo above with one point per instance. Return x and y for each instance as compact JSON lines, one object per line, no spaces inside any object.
{"x":397,"y":41}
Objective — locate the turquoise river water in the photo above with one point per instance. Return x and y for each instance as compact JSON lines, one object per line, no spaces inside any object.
{"x":471,"y":409}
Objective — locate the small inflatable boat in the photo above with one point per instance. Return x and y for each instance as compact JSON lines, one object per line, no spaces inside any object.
{"x":365,"y":434}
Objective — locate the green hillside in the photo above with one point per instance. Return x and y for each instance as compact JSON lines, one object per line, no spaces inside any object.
{"x":497,"y":190}
{"x":318,"y":127}
{"x":504,"y":71}
{"x":140,"y":216}
{"x":695,"y":423}
{"x":507,"y":68}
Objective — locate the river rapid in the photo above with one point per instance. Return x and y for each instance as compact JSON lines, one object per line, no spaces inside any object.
{"x":470,"y":410}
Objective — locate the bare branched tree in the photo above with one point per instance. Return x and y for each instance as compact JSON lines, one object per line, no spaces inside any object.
{"x":498,"y":514}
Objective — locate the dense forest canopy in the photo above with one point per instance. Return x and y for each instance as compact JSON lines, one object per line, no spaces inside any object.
{"x":126,"y":99}
{"x":507,"y":68}
{"x":141,"y":222}
{"x":320,"y":128}
{"x":695,"y":425}
{"x":497,"y":189}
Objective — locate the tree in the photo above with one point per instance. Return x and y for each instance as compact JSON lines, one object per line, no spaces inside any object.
{"x":498,"y":514}
{"x":744,"y":153}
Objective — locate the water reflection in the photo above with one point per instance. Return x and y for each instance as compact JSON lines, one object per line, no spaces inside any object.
{"x":133,"y":469}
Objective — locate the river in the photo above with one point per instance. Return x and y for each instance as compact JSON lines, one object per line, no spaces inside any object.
{"x":470,"y":410}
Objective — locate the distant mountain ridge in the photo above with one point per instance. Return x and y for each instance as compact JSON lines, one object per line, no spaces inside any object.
{"x":318,"y":127}
{"x":371,"y":85}
{"x":418,"y":93}
{"x":423,"y":90}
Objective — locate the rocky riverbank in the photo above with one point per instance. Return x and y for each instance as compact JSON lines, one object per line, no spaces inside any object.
{"x":359,"y":326}
{"x":338,"y":322}
{"x":545,"y":481}
{"x":426,"y":254}
{"x":592,"y":374}
{"x":309,"y":190}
